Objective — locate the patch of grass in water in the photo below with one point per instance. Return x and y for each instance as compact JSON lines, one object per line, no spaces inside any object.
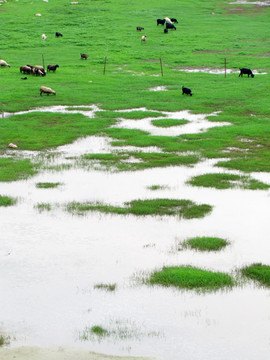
{"x":165,"y":123}
{"x":96,"y":330}
{"x":183,"y":208}
{"x":138,"y":115}
{"x":7,"y":201}
{"x":47,"y":185}
{"x":2,"y":340}
{"x":188,"y":277}
{"x":13,"y":170}
{"x":258,"y":272}
{"x":227,"y":181}
{"x":205,"y":243}
{"x":43,"y":207}
{"x":107,"y":287}
{"x":157,"y":187}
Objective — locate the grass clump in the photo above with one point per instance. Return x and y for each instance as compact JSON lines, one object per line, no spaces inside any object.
{"x":137,"y":115}
{"x":107,"y":287}
{"x":205,"y":243}
{"x":182,"y":208}
{"x":13,"y":170}
{"x":99,"y":331}
{"x":157,"y":187}
{"x":258,"y":272}
{"x":2,"y":340}
{"x":7,"y":201}
{"x":165,"y":123}
{"x":227,"y":181}
{"x":47,"y":185}
{"x":43,"y":207}
{"x":188,"y":277}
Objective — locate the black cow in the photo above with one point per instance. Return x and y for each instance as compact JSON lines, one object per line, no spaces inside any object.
{"x":57,"y":34}
{"x":165,"y":31}
{"x":161,"y":21}
{"x":246,"y":71}
{"x":139,"y":28}
{"x":186,"y":91}
{"x":170,"y":26}
{"x":174,"y":20}
{"x":52,"y":67}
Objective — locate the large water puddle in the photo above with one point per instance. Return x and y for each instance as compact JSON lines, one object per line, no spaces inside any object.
{"x":258,"y":3}
{"x":209,"y":70}
{"x":51,"y":262}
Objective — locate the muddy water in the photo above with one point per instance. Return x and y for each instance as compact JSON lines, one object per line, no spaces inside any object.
{"x":50,"y":262}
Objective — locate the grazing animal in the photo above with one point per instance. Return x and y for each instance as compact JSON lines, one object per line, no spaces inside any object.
{"x":174,"y":20}
{"x":165,"y":31}
{"x":4,"y":63}
{"x":25,"y":69}
{"x":12,"y":146}
{"x":84,"y":56}
{"x":160,"y":21}
{"x":168,"y":20}
{"x":58,"y":34}
{"x":246,"y":71}
{"x":186,"y":91}
{"x":170,"y":26}
{"x":25,"y":78}
{"x":139,"y":28}
{"x":143,"y":38}
{"x":52,"y":67}
{"x":38,"y":70}
{"x":46,"y":90}
{"x":43,"y":37}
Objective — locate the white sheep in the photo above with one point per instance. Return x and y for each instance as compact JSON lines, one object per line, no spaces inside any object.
{"x":44,"y":37}
{"x":143,"y":38}
{"x":4,"y":63}
{"x":46,"y":90}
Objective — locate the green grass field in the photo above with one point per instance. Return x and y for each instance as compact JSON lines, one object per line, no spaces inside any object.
{"x":103,"y":28}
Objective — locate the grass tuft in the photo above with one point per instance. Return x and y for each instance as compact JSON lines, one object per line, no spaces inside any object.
{"x":107,"y":287}
{"x":47,"y":185}
{"x":205,"y":243}
{"x":7,"y":201}
{"x":258,"y":272}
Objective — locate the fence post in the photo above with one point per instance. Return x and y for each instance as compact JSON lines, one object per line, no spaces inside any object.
{"x":43,"y":61}
{"x":161,"y":66}
{"x":105,"y":61}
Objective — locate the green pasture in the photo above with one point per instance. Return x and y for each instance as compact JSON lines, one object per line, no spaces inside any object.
{"x":207,"y":33}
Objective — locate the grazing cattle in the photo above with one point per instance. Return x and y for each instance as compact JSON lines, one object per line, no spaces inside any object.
{"x":170,"y":26}
{"x":186,"y":91}
{"x":58,"y":34}
{"x":43,"y":37}
{"x":143,"y":38}
{"x":139,"y":28}
{"x":25,"y":69}
{"x":160,"y":21}
{"x":46,"y":90}
{"x":4,"y":63}
{"x":174,"y":20}
{"x":84,"y":56}
{"x":52,"y":67}
{"x":246,"y":71}
{"x":165,"y":31}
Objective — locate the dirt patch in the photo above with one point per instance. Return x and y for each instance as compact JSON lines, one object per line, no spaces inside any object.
{"x":265,"y":54}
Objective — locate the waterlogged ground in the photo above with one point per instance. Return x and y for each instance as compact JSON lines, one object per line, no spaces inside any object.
{"x":51,"y":262}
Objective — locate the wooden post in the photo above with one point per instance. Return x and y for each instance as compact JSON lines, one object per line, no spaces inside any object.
{"x":225,"y":66}
{"x":161,"y":66}
{"x":43,"y":61}
{"x":105,"y":61}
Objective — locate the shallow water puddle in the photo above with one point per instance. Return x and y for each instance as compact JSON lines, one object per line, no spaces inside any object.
{"x":259,"y":3}
{"x":158,"y":88}
{"x":216,"y":71}
{"x":197,"y":123}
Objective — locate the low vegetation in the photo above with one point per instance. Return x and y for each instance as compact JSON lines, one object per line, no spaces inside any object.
{"x":43,"y":207}
{"x":16,"y":169}
{"x":182,"y":208}
{"x":7,"y":201}
{"x":47,"y":185}
{"x":226,"y":181}
{"x":157,"y":187}
{"x":168,"y":122}
{"x":188,"y":277}
{"x":107,"y":287}
{"x":258,"y":272}
{"x":205,"y":243}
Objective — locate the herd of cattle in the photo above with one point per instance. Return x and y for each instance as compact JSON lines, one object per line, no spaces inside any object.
{"x":40,"y":71}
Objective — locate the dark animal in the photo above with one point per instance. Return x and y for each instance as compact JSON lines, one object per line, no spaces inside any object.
{"x":161,"y":21}
{"x":246,"y":71}
{"x":165,"y":31}
{"x":57,"y":34}
{"x":186,"y":91}
{"x":52,"y":67}
{"x":139,"y":28}
{"x":170,"y":26}
{"x":38,"y":70}
{"x":174,"y":20}
{"x":25,"y":78}
{"x":84,"y":56}
{"x":25,"y":69}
